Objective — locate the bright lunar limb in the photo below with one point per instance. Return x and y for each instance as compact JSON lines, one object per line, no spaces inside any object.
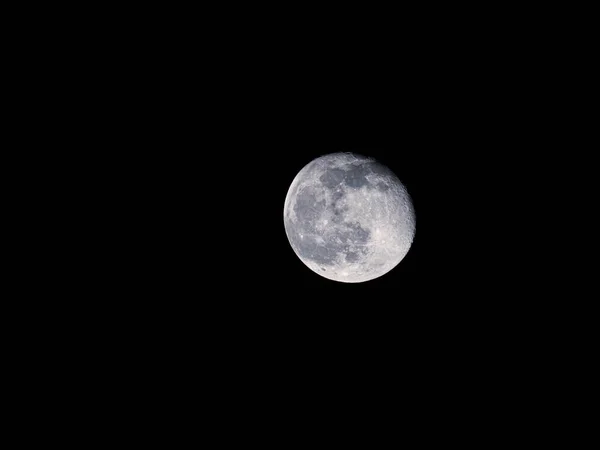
{"x":348,"y":217}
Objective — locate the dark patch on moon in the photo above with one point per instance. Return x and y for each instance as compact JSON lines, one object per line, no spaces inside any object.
{"x":325,"y":254}
{"x":338,"y":210}
{"x":352,"y":257}
{"x":356,"y":177}
{"x":358,"y":234}
{"x":332,"y":177}
{"x":308,"y":209}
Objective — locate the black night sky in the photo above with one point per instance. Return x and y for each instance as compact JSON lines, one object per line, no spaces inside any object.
{"x":215,"y":239}
{"x":197,"y":291}
{"x":215,"y":164}
{"x":202,"y":152}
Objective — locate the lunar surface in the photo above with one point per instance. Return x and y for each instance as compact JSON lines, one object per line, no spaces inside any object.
{"x":349,"y":218}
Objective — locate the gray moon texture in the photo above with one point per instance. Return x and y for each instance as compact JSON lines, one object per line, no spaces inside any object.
{"x":349,"y":218}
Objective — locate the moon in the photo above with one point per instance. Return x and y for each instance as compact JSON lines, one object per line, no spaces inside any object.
{"x":348,"y":217}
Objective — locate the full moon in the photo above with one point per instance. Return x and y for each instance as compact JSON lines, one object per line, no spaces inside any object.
{"x":348,"y":217}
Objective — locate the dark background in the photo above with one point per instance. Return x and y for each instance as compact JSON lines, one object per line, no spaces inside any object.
{"x":204,"y":137}
{"x":159,"y":154}
{"x":203,"y":125}
{"x":208,"y":242}
{"x":198,"y":135}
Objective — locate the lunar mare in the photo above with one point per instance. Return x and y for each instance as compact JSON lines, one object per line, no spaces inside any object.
{"x":349,"y":218}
